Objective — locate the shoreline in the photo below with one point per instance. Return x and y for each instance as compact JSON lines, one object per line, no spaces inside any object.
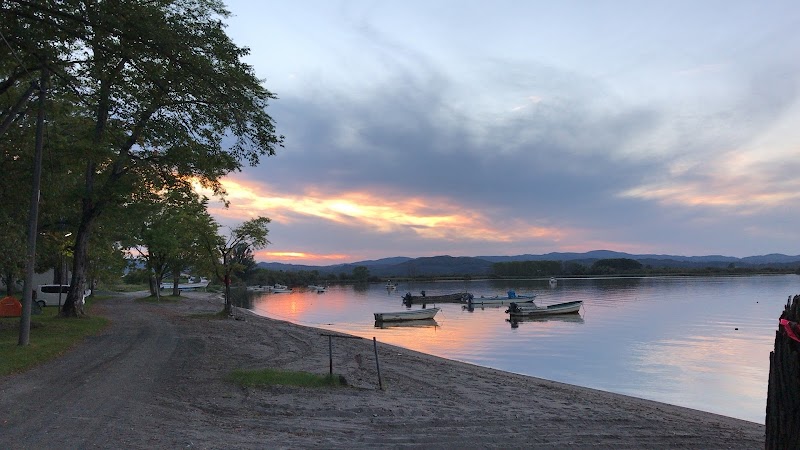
{"x":448,"y":398}
{"x":157,"y":378}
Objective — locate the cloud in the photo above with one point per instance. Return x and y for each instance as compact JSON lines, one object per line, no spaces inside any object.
{"x":413,"y":152}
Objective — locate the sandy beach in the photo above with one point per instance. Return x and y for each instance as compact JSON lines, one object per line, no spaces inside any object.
{"x":175,"y":395}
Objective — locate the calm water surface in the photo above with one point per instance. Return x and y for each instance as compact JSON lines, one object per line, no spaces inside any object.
{"x":699,"y":342}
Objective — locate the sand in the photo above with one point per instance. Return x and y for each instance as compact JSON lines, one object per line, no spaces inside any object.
{"x":164,"y":370}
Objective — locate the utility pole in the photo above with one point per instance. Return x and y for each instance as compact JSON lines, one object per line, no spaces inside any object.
{"x":33,"y":216}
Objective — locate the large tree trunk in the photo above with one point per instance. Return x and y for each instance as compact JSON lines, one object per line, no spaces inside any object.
{"x":176,"y":279}
{"x":73,"y":305}
{"x":9,"y":279}
{"x":783,"y":392}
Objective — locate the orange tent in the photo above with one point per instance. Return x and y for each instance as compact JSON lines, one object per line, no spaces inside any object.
{"x":10,"y":307}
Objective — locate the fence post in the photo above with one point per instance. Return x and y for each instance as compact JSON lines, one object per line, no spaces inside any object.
{"x":377,"y":362}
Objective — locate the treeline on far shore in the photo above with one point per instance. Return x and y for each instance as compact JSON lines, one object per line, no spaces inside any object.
{"x":625,"y":267}
{"x":616,"y":267}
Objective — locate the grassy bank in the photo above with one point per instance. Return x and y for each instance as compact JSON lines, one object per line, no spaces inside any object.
{"x":50,"y":336}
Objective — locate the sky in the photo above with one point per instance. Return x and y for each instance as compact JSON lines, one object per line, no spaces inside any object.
{"x":472,"y":128}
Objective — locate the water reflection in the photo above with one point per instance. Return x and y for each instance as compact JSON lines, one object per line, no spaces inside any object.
{"x":571,"y":318}
{"x":423,"y":323}
{"x":698,"y":342}
{"x":361,"y":287}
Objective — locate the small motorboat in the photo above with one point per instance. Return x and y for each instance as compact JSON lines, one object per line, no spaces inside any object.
{"x":511,"y":297}
{"x":318,"y":288}
{"x":531,"y":309}
{"x":280,"y":288}
{"x":258,"y":288}
{"x":458,"y":297}
{"x":415,"y":314}
{"x":420,"y":323}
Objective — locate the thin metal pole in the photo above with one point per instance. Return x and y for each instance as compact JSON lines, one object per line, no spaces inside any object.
{"x":377,"y":362}
{"x":330,"y":354}
{"x":33,"y":216}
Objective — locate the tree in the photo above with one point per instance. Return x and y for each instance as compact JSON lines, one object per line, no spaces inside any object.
{"x":251,"y":234}
{"x":162,"y":84}
{"x":168,"y":235}
{"x":611,"y":265}
{"x":242,"y":257}
{"x":360,"y":273}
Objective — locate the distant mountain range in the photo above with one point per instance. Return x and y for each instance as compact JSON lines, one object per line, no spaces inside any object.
{"x":401,"y":266}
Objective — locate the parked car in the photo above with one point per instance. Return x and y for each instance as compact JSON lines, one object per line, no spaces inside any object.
{"x":48,"y":294}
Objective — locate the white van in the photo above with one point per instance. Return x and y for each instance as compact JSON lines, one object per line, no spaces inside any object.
{"x":48,"y":294}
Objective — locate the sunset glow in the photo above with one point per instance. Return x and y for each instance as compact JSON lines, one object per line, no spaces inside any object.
{"x":593,"y":141}
{"x":374,"y":214}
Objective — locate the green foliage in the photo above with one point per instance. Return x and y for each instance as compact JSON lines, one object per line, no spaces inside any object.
{"x":270,"y":377}
{"x":612,"y":265}
{"x":226,"y":253}
{"x":526,"y":268}
{"x":361,"y":274}
{"x":137,"y":276}
{"x":140,"y":104}
{"x":171,"y":233}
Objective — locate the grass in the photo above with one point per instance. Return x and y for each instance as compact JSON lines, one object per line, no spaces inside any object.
{"x":271,"y":377}
{"x":50,"y":336}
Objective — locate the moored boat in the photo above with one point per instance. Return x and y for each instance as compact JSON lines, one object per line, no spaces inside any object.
{"x":195,"y":283}
{"x":418,"y":323}
{"x":415,"y":314}
{"x":318,"y":288}
{"x":531,"y":309}
{"x":511,"y":297}
{"x":458,"y":297}
{"x":280,"y":288}
{"x":258,"y":288}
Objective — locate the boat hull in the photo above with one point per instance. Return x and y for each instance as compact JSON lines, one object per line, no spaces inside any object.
{"x":459,"y":297}
{"x":498,"y":300}
{"x":420,"y":323}
{"x":525,"y":310}
{"x":419,"y":314}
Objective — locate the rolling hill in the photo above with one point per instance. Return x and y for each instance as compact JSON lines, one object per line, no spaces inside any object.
{"x":401,"y":266}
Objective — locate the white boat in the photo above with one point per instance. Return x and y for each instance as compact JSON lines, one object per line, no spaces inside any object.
{"x":498,"y":300}
{"x":318,"y":288}
{"x":258,"y":288}
{"x":280,"y":288}
{"x":391,"y":286}
{"x":414,"y":314}
{"x":553,"y":281}
{"x":531,"y":309}
{"x":201,"y":284}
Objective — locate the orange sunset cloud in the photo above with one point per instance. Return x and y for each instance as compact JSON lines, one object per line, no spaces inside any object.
{"x":378,"y":213}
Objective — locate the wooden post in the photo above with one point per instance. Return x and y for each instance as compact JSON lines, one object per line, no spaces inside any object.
{"x":783,"y":392}
{"x":330,"y":353}
{"x":377,"y":362}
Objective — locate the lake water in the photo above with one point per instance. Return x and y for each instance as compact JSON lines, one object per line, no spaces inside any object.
{"x":699,"y":342}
